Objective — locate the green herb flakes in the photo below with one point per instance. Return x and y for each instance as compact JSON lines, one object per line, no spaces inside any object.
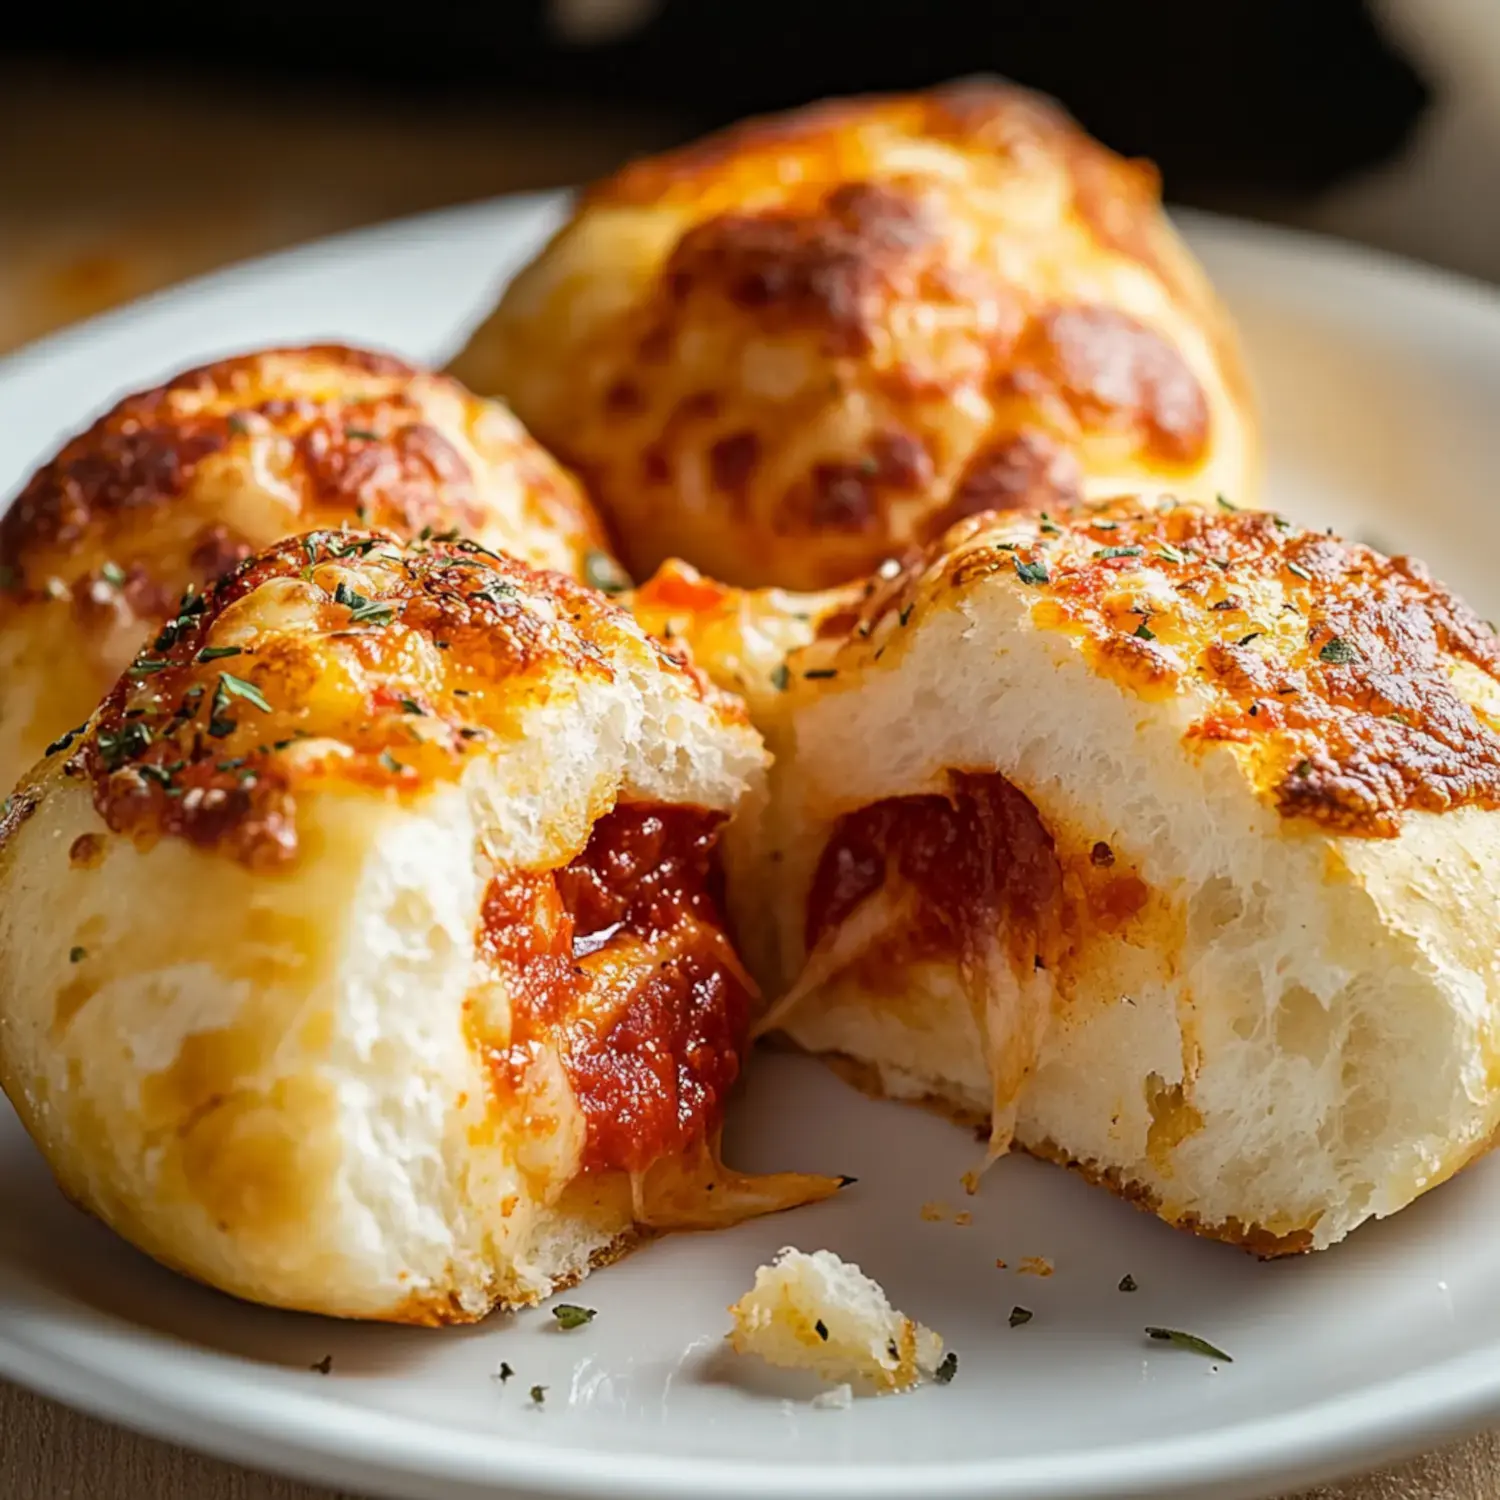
{"x":77,"y":955}
{"x":1020,"y":1316}
{"x":1032,"y":572}
{"x":237,"y":687}
{"x":1338,"y":652}
{"x":947,"y":1369}
{"x":1188,"y":1341}
{"x":570,"y":1315}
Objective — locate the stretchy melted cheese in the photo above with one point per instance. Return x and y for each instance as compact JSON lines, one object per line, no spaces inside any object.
{"x":363,"y":953}
{"x":1165,"y":840}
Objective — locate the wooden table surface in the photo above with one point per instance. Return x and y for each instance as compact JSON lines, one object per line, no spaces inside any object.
{"x":113,"y":187}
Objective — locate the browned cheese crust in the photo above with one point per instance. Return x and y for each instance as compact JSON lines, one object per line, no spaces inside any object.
{"x":339,"y":656}
{"x":1354,"y":686}
{"x":175,"y":485}
{"x":827,"y":335}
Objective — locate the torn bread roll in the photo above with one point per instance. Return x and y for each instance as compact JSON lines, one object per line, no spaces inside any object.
{"x":363,"y":954}
{"x":798,"y":347}
{"x":1164,"y":839}
{"x":175,"y":485}
{"x":813,"y":1311}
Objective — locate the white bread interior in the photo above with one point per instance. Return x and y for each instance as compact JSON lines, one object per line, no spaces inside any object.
{"x":1297,"y":1033}
{"x":266,"y":1077}
{"x":813,"y":1311}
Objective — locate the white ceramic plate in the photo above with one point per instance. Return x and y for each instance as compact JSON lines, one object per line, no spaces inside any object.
{"x":1382,"y":389}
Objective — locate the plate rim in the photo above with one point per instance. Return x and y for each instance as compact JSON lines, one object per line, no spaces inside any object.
{"x":196,"y":1398}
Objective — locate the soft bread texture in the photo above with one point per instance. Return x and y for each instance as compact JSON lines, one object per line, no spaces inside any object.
{"x":361,"y":956}
{"x":796,"y":348}
{"x":813,"y":1311}
{"x":175,"y":485}
{"x":1165,"y":839}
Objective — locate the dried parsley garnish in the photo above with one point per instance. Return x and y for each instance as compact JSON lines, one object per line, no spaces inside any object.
{"x":1020,"y":1316}
{"x":1338,"y":652}
{"x":1190,"y":1342}
{"x":571,"y":1315}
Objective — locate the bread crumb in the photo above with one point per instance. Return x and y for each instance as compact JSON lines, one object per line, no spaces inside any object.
{"x":999,"y":1265}
{"x":964,"y":1219}
{"x":1035,"y":1265}
{"x":970,"y":1181}
{"x":935,"y":1213}
{"x":840,"y":1398}
{"x":817,"y":1312}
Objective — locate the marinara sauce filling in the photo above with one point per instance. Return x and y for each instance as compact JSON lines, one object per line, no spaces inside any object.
{"x":975,"y":863}
{"x":620,"y":962}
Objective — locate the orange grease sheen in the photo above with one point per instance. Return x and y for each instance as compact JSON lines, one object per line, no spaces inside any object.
{"x":651,"y":1060}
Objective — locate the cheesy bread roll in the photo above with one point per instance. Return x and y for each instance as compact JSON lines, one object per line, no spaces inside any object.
{"x":363,"y":954}
{"x":177,"y":484}
{"x":1166,"y":840}
{"x":794,"y":349}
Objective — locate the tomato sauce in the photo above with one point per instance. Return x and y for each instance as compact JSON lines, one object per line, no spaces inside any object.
{"x":978,"y":862}
{"x":620,"y":961}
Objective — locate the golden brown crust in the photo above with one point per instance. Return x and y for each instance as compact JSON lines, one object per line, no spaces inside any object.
{"x":351,"y":435}
{"x":848,"y":315}
{"x":1263,"y":1243}
{"x":338,"y":656}
{"x":176,"y":485}
{"x":1348,"y":681}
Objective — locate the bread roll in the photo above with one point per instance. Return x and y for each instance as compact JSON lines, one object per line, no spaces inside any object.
{"x":798,"y":347}
{"x":1164,"y":839}
{"x":174,"y":485}
{"x":362,"y":954}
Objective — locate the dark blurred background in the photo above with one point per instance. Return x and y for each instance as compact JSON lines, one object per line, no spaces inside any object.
{"x":141,"y":146}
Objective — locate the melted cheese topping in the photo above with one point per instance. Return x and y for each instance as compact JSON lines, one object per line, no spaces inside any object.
{"x":174,"y":486}
{"x":343,"y":657}
{"x":803,"y":345}
{"x":1352,"y":686}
